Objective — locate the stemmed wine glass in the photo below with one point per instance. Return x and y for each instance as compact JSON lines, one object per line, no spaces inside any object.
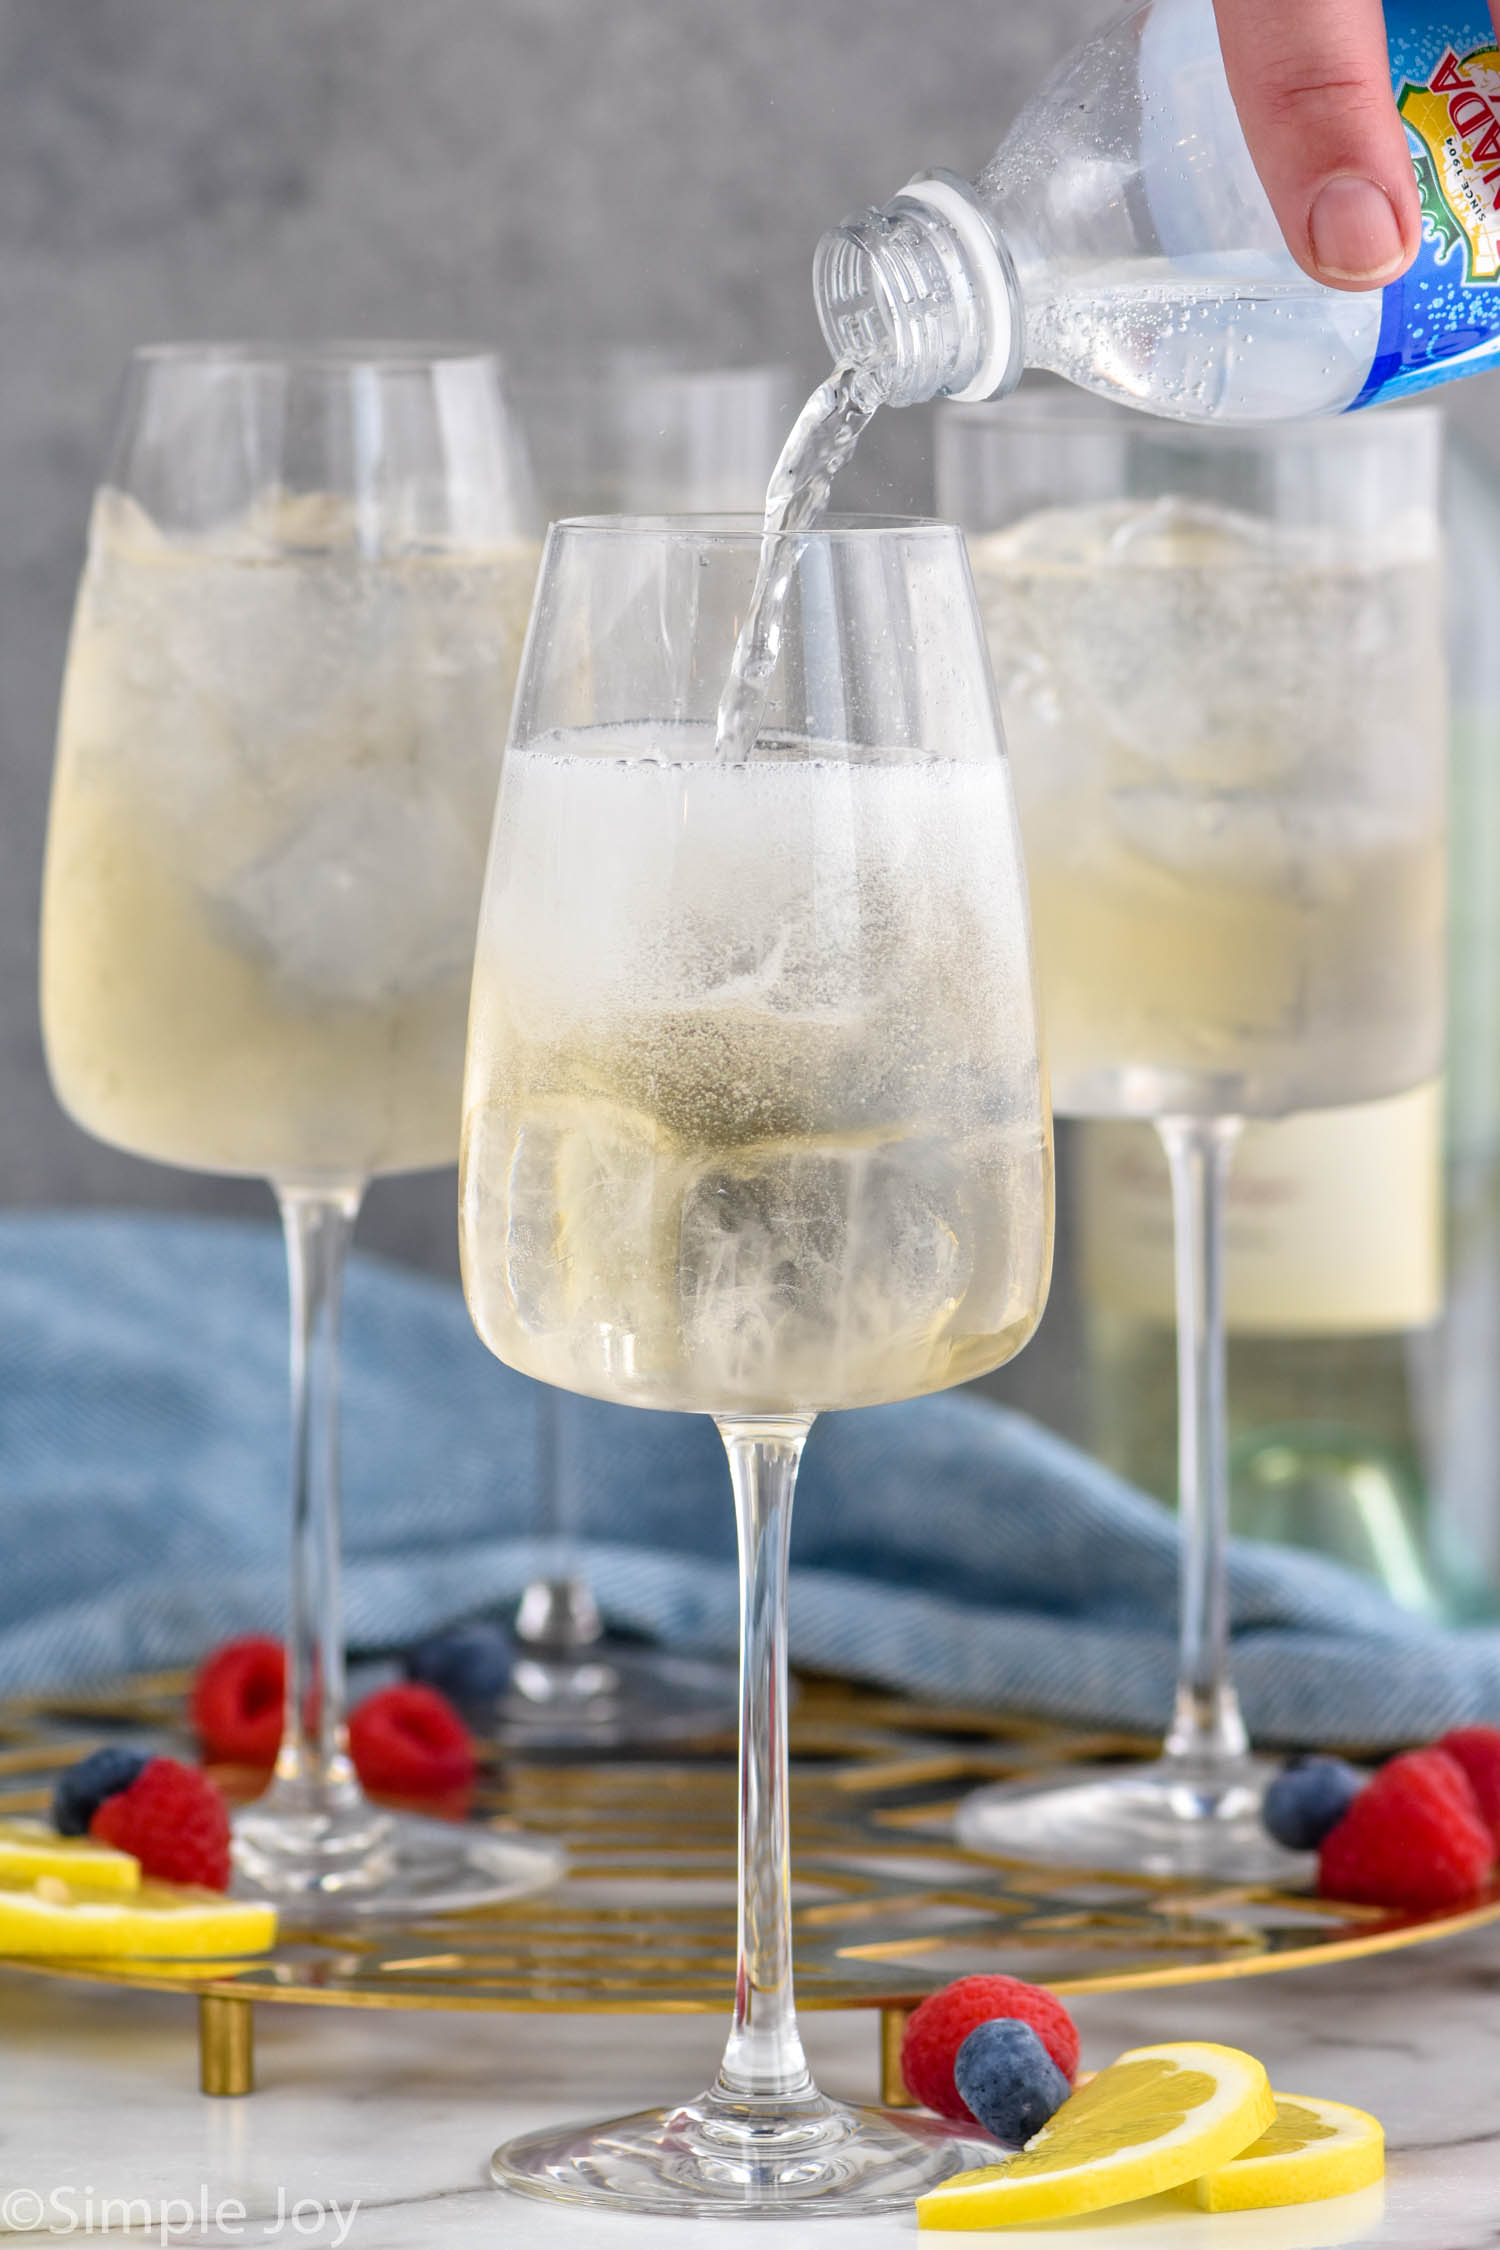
{"x":307,"y":584}
{"x":637,"y":432}
{"x":644,"y":430}
{"x":754,"y":1126}
{"x":1220,"y":660}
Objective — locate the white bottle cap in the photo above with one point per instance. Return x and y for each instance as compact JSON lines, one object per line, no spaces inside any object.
{"x":968,"y":223}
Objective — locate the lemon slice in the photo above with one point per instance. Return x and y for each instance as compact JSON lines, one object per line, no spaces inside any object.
{"x":1158,"y":2117}
{"x":29,"y":1848}
{"x":1314,"y":2149}
{"x":160,"y":1920}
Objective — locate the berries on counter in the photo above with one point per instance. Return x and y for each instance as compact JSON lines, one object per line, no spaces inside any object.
{"x":84,"y":1787}
{"x":1156,"y":2119}
{"x":408,"y":1741}
{"x":173,"y":1820}
{"x":470,"y":1664}
{"x":238,"y":1698}
{"x":1007,"y":2080}
{"x":1190,"y":2118}
{"x":1308,"y":1799}
{"x":1413,"y":1837}
{"x":1477,"y":1750}
{"x":937,"y":2029}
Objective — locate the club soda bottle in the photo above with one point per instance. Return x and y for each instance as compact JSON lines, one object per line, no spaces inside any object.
{"x":1120,"y":237}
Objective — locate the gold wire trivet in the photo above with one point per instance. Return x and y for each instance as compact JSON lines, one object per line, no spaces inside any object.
{"x":886,"y":1907}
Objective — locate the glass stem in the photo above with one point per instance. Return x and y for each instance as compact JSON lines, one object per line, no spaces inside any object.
{"x":313,"y":1770}
{"x":764,"y":2058}
{"x":1207,"y":1730}
{"x":557,"y":1613}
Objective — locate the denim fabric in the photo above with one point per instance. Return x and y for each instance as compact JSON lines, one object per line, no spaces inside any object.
{"x":946,"y":1547}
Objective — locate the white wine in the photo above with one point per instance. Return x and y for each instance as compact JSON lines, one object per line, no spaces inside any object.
{"x":754,"y":1124}
{"x":1262,"y":983}
{"x":276,"y":766}
{"x":1362,"y":1245}
{"x":1235,"y":844}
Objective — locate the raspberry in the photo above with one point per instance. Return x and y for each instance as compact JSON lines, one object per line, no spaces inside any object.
{"x":1477,"y":1750}
{"x":410,"y":1742}
{"x":173,"y":1820}
{"x":84,"y":1787}
{"x":1413,"y":1837}
{"x":237,"y":1702}
{"x":938,"y":2028}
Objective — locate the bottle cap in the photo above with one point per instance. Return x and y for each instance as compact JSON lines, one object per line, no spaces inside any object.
{"x":956,"y":206}
{"x":921,"y":293}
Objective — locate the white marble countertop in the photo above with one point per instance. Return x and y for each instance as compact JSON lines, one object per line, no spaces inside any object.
{"x":391,"y":2118}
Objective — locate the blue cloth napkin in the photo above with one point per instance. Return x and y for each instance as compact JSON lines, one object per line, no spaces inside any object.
{"x":947,"y":1547}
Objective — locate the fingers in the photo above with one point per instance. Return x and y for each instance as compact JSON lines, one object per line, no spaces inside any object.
{"x":1311,"y":84}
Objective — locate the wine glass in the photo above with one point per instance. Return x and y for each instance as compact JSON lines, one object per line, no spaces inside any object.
{"x":307,"y":584}
{"x":639,"y":432}
{"x":1220,"y":659}
{"x":754,"y":1126}
{"x":645,"y":431}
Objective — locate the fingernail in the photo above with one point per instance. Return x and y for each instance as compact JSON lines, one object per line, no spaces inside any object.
{"x":1354,"y":231}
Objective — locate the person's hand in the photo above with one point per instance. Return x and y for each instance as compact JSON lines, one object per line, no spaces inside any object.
{"x":1313,"y":91}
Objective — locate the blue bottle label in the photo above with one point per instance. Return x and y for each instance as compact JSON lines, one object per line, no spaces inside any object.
{"x":1442,"y":318}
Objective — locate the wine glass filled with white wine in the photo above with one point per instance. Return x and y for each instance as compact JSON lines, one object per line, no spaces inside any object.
{"x":754,"y":1126}
{"x":296,"y":637}
{"x":1220,"y":659}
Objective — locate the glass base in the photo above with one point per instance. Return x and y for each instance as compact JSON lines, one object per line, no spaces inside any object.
{"x":409,"y":1867}
{"x":718,"y":2157}
{"x":607,"y":1697}
{"x":1171,"y":1818}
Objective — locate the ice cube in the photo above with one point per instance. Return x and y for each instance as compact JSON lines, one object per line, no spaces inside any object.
{"x":756,"y":976}
{"x":1171,"y":635}
{"x":1177,"y":534}
{"x":807,"y":1269}
{"x":367,"y":893}
{"x":576,"y":1189}
{"x":1058,"y":538}
{"x":1301,"y":851}
{"x":1202,"y":837}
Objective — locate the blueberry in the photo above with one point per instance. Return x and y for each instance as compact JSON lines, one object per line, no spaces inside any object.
{"x":1308,"y":1799}
{"x":84,"y":1787}
{"x":1008,"y":2079}
{"x":470,"y":1664}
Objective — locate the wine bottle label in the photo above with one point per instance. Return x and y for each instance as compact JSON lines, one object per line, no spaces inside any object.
{"x":1442,"y":318}
{"x":1333,"y":1222}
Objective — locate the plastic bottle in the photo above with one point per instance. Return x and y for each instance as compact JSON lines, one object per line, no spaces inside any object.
{"x":1120,"y":237}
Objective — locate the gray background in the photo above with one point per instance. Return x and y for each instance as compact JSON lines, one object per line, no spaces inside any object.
{"x":550,"y":174}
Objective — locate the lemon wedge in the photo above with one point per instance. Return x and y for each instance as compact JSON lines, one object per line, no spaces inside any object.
{"x":29,"y":1848}
{"x":160,"y":1920}
{"x":1314,"y":2149}
{"x":1155,"y":2119}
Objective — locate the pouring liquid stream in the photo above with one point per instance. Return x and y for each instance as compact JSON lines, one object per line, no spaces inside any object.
{"x":823,"y":437}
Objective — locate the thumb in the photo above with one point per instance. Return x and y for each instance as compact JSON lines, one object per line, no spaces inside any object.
{"x":1311,"y":84}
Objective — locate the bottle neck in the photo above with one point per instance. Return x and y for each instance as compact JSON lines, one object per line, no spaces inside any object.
{"x":923,"y":295}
